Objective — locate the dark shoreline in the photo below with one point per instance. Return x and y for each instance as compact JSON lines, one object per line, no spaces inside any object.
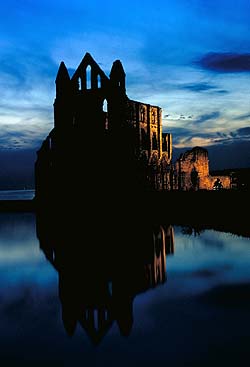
{"x":222,"y":210}
{"x":226,"y":211}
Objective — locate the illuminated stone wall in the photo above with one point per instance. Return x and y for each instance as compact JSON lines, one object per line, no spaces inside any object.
{"x":192,"y":170}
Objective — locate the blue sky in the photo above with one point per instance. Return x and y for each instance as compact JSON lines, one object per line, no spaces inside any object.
{"x":191,"y":57}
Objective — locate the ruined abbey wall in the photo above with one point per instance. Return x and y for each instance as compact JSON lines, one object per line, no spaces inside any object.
{"x":192,"y":170}
{"x":103,"y":141}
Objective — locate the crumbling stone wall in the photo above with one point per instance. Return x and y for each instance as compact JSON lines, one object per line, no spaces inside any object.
{"x":192,"y":170}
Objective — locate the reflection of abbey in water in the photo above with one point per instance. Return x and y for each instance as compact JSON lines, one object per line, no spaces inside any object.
{"x":98,"y":281}
{"x":101,"y":138}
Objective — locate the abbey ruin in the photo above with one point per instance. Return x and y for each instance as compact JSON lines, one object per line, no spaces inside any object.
{"x":102,"y":141}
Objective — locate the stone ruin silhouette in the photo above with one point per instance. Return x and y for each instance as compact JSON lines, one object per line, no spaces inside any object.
{"x":102,"y":141}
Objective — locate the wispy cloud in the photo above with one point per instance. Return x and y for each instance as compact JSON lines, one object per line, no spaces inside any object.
{"x":198,"y":87}
{"x":203,"y":87}
{"x":226,"y":62}
{"x":23,"y":134}
{"x":245,"y":116}
{"x":188,"y":138}
{"x":26,"y":88}
{"x":207,"y":117}
{"x":244,"y":131}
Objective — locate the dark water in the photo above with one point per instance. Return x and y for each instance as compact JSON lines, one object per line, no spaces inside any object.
{"x":192,"y":310}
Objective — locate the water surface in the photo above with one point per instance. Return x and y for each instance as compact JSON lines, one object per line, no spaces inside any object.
{"x":17,"y":194}
{"x":198,"y":315}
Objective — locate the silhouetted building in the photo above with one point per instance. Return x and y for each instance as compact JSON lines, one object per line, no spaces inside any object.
{"x":192,"y":172}
{"x":101,"y":139}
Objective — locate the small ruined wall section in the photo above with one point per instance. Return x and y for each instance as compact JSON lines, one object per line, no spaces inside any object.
{"x":193,"y":171}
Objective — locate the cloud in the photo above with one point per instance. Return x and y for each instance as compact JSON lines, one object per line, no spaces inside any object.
{"x":245,"y":116}
{"x":27,"y":89}
{"x":30,"y":64}
{"x":244,"y":131}
{"x":215,"y":127}
{"x":198,"y":87}
{"x":241,"y":134}
{"x":184,"y":129}
{"x":23,"y":135}
{"x":225,"y":62}
{"x":207,"y":117}
{"x":190,"y":137}
{"x":203,"y":87}
{"x":177,"y":131}
{"x":176,"y":117}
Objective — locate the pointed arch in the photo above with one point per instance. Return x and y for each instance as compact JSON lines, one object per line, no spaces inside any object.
{"x":88,"y":77}
{"x":99,"y":81}
{"x":105,"y":105}
{"x":153,"y":117}
{"x":142,"y":114}
{"x":105,"y":112}
{"x":80,"y":86}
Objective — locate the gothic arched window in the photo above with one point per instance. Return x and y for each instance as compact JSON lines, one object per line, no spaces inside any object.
{"x":142,"y":114}
{"x":88,"y":77}
{"x":80,"y":83}
{"x":99,"y":81}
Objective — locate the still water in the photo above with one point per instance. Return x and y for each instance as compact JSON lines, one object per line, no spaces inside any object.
{"x":182,"y":304}
{"x":17,"y":194}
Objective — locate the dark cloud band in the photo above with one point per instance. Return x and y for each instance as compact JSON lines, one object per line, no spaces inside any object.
{"x":207,"y":117}
{"x":225,"y":62}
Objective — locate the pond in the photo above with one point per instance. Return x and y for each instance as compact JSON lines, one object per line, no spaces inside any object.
{"x":167,"y":294}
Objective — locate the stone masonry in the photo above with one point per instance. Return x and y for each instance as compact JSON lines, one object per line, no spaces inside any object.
{"x":192,"y":170}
